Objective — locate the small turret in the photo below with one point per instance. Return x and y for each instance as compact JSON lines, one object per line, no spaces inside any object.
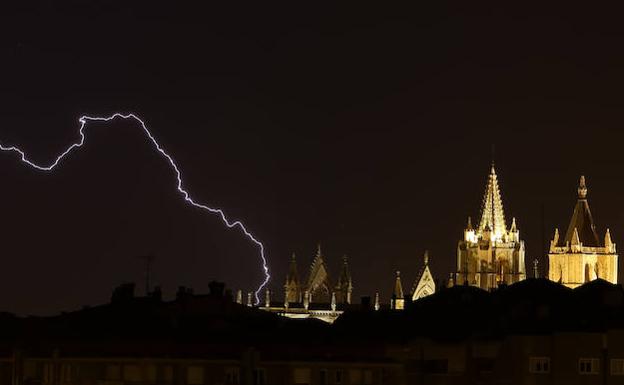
{"x":398,"y":301}
{"x":609,"y":245}
{"x":555,"y":240}
{"x":267,"y":298}
{"x":575,"y":243}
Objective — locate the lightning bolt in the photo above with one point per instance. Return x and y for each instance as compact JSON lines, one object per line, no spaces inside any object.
{"x":180,"y":185}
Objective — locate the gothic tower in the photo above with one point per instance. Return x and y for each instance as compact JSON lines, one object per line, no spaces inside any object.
{"x":292,"y":288}
{"x":344,"y":286}
{"x":491,"y":254}
{"x":398,"y":300}
{"x":581,"y":257}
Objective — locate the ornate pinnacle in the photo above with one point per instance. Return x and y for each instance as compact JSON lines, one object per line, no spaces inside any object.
{"x":582,"y":188}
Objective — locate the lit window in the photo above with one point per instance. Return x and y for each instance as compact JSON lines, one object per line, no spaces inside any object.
{"x":66,"y":373}
{"x":259,"y":377}
{"x":167,"y":373}
{"x":48,"y":373}
{"x":150,"y":373}
{"x":302,"y":376}
{"x":539,"y":364}
{"x":617,"y":367}
{"x":323,"y":377}
{"x":232,"y":376}
{"x":355,"y":376}
{"x":589,"y":365}
{"x":194,"y":375}
{"x":338,"y":377}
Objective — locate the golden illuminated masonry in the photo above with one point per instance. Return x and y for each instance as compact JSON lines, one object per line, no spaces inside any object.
{"x":490,"y":254}
{"x":580,"y":256}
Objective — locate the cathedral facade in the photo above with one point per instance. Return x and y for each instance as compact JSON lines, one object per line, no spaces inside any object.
{"x":315,"y":297}
{"x":490,"y":254}
{"x":581,"y":255}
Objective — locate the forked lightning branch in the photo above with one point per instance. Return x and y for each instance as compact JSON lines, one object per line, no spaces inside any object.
{"x":84,"y":120}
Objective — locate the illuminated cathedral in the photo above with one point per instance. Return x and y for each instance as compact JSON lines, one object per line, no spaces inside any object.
{"x":490,"y":254}
{"x":315,"y":297}
{"x":581,"y":256}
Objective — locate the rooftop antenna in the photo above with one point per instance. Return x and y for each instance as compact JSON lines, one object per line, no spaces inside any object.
{"x":543,"y":231}
{"x":149,"y":259}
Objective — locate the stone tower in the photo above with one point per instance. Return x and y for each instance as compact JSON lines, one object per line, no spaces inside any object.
{"x":581,"y":256}
{"x":344,"y":286}
{"x":292,"y":287}
{"x":398,"y":300}
{"x":491,"y":254}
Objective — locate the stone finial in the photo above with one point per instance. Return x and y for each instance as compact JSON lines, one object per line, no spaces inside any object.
{"x":377,"y":301}
{"x":239,"y":297}
{"x":608,"y":242}
{"x":306,"y":299}
{"x":267,"y":298}
{"x":575,"y":238}
{"x":469,"y":225}
{"x":582,"y":188}
{"x":333,"y":301}
{"x":426,"y":257}
{"x":535,"y":270}
{"x":249,"y":299}
{"x":556,"y":237}
{"x":514,"y":228}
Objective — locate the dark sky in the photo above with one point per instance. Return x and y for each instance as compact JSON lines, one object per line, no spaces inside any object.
{"x":368,"y":129}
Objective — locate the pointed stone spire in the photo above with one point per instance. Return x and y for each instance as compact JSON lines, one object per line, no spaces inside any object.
{"x":575,"y":241}
{"x":398,"y":286}
{"x":318,"y":279}
{"x":582,"y":188}
{"x":377,"y":301}
{"x":514,"y":228}
{"x":292,"y":287}
{"x":535,"y":270}
{"x":398,"y":300}
{"x":344,"y":286}
{"x":469,"y":225}
{"x":556,"y":237}
{"x":492,"y":214}
{"x":608,"y":242}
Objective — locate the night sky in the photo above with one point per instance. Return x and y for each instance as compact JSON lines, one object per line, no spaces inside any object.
{"x":366,"y":129}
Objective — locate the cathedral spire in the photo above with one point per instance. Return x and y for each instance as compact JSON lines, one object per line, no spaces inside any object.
{"x":492,"y":214}
{"x":344,"y":286}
